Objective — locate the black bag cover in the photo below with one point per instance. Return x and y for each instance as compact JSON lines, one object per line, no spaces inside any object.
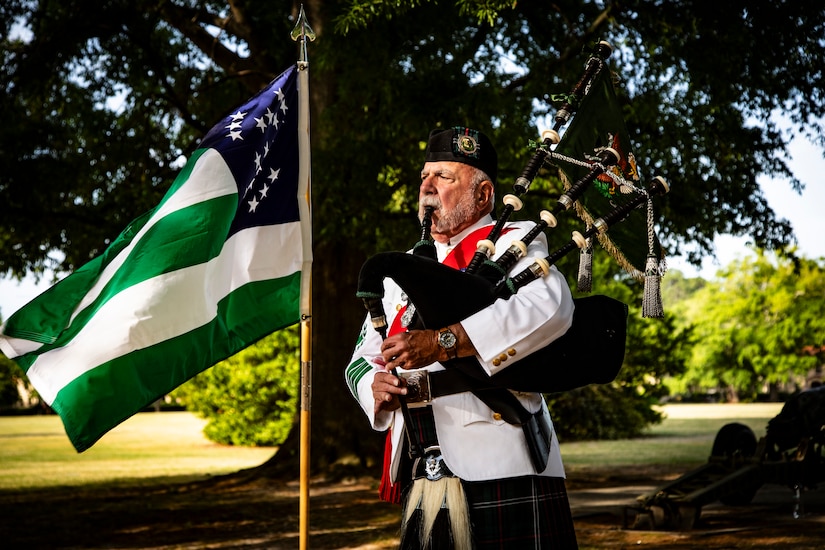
{"x":591,"y":352}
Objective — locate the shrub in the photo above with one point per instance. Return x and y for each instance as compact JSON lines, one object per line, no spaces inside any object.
{"x":250,"y":398}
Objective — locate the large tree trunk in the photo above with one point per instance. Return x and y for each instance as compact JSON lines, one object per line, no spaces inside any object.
{"x":342,"y":442}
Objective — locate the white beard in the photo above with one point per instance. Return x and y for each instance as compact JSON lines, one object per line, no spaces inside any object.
{"x":450,"y":220}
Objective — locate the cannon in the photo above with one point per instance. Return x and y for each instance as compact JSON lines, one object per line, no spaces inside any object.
{"x":791,"y":453}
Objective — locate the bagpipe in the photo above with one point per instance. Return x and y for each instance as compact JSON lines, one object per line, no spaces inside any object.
{"x":592,"y":350}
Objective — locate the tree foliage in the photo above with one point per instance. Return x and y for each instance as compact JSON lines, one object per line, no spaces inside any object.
{"x":756,"y":324}
{"x":100,"y":101}
{"x":12,"y":380}
{"x":10,"y":376}
{"x":700,"y":84}
{"x":250,"y":398}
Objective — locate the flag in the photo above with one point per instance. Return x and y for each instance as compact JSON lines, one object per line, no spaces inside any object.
{"x":597,"y":124}
{"x":213,"y":268}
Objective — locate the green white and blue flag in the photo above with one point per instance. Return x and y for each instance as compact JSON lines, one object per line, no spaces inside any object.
{"x":214,"y":267}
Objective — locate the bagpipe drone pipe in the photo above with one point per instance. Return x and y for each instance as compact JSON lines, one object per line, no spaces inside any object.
{"x":592,"y":350}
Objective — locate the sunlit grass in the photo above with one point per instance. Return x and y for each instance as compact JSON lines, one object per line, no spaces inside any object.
{"x":685,"y":438}
{"x":35,"y":452}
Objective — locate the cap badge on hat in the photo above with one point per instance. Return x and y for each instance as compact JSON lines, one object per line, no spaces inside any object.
{"x":465,"y":142}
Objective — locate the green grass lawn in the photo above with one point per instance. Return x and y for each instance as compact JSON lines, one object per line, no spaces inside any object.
{"x":35,"y":452}
{"x":684,"y":438}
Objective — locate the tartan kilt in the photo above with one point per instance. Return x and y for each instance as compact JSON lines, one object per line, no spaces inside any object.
{"x":506,"y":514}
{"x":521,"y":512}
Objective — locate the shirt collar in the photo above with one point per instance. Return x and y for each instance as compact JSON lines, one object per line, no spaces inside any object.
{"x":442,"y":249}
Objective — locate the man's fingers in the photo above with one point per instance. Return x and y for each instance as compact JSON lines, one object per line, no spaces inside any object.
{"x":385,"y":391}
{"x":386,"y":383}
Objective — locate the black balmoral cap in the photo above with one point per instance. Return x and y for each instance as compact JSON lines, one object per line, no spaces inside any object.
{"x":465,"y":145}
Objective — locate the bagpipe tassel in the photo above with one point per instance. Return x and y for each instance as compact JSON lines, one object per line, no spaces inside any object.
{"x":652,"y":300}
{"x":585,"y":280}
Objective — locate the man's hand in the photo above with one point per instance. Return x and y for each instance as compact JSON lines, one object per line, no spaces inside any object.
{"x":386,"y":387}
{"x":418,"y":348}
{"x":412,"y":350}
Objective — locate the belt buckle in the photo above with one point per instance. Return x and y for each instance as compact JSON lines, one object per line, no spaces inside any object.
{"x":417,"y":383}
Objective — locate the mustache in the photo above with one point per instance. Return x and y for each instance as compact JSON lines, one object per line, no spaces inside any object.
{"x":429,"y":200}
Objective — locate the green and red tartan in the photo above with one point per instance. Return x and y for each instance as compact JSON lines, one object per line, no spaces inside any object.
{"x":523,"y":512}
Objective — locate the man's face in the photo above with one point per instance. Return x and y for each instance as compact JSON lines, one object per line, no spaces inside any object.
{"x":448,"y":187}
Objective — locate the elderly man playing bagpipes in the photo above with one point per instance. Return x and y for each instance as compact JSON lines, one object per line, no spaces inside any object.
{"x":469,"y":476}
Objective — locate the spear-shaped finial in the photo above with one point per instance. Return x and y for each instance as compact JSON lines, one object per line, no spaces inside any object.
{"x":302,"y":31}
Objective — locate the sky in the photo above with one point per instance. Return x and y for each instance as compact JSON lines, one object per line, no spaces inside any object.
{"x":803,"y":211}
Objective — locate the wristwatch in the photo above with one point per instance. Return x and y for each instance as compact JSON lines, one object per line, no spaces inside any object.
{"x":447,"y":340}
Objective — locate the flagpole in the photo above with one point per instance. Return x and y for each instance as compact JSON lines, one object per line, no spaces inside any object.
{"x":301,"y":33}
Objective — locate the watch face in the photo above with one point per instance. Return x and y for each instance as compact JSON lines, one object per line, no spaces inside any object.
{"x":446,"y":339}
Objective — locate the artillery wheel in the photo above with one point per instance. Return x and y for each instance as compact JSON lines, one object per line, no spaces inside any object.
{"x":736,"y":440}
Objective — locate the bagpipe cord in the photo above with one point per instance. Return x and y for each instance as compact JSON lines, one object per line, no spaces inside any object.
{"x":654,"y":267}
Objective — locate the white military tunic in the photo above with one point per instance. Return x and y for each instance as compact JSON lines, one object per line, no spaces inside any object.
{"x":476,"y":444}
